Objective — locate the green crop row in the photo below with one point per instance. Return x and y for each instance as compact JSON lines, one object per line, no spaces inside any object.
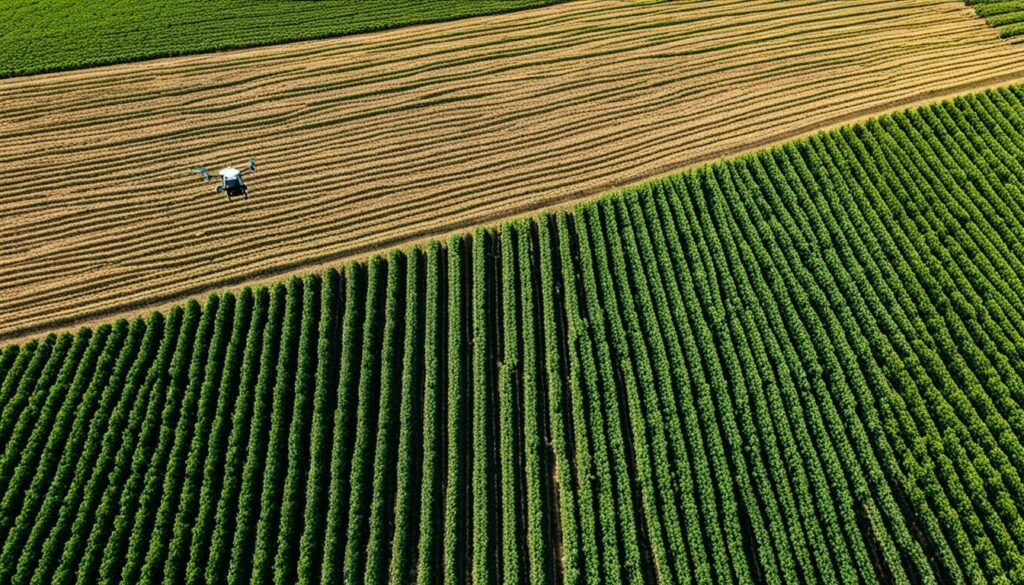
{"x":802,"y":365}
{"x":1005,"y":15}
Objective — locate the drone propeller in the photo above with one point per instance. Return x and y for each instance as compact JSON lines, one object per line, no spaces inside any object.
{"x":202,"y":171}
{"x":250,"y":168}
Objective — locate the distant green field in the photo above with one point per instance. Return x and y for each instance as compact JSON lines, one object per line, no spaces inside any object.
{"x":1005,"y":15}
{"x":50,"y":35}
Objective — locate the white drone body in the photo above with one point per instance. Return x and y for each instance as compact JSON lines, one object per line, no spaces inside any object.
{"x":231,"y":181}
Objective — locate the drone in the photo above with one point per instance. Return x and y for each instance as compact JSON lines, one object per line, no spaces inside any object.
{"x":230,"y":180}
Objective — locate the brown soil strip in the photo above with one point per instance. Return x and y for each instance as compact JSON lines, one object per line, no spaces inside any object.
{"x":369,"y":141}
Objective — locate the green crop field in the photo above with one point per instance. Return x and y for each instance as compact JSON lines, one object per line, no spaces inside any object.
{"x":52,"y":35}
{"x":1005,"y":15}
{"x":803,"y":365}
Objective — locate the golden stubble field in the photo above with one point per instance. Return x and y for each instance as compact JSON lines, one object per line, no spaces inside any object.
{"x":368,"y":141}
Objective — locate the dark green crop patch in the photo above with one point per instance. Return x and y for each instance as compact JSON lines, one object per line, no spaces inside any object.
{"x":1005,"y":15}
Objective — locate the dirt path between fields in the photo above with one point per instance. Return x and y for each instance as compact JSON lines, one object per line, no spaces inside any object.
{"x":369,"y":141}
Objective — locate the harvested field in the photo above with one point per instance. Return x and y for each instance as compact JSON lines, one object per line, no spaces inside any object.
{"x":367,"y":141}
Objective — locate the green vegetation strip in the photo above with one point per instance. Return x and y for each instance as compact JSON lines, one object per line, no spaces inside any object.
{"x":70,"y":34}
{"x":1005,"y":15}
{"x":802,"y":365}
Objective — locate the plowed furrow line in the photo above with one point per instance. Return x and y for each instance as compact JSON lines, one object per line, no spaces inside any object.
{"x":736,"y":113}
{"x":705,"y":36}
{"x":374,"y":155}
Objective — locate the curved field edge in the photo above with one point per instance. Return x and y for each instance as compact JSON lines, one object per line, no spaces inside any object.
{"x":802,"y":363}
{"x":374,"y":140}
{"x":76,"y":34}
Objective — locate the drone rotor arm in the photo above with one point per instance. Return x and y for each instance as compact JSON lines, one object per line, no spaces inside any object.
{"x":202,"y":171}
{"x":249,"y":169}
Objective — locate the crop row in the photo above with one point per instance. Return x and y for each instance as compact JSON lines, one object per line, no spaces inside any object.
{"x":1005,"y":15}
{"x":802,"y":365}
